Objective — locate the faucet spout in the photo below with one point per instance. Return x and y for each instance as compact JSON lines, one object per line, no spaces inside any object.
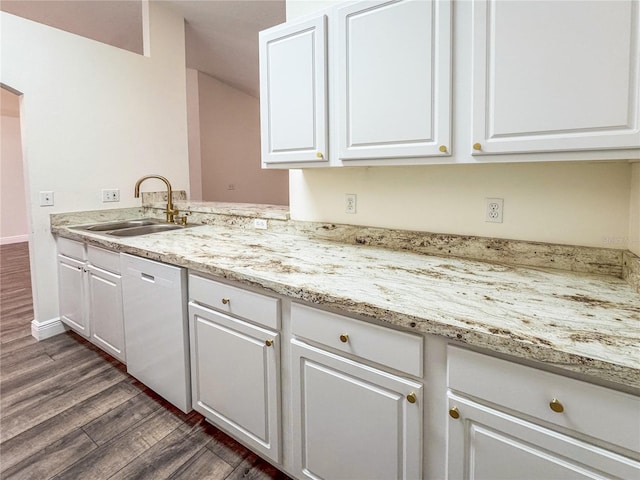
{"x":171,"y":212}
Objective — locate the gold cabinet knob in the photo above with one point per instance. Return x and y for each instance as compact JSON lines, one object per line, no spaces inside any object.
{"x":477,"y":146}
{"x":268,"y":343}
{"x":411,"y":398}
{"x":319,"y":155}
{"x":556,"y":406}
{"x":225,"y":301}
{"x":344,"y":338}
{"x":454,"y":413}
{"x":443,"y":148}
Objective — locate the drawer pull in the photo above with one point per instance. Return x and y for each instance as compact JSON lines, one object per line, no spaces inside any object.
{"x":225,"y":301}
{"x":556,"y":406}
{"x":344,"y":338}
{"x":268,"y":343}
{"x":454,"y":413}
{"x":411,"y":398}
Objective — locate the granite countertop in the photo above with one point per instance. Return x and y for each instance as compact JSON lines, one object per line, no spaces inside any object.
{"x":585,"y":323}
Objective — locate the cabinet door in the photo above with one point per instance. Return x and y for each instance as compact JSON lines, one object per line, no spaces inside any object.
{"x":235,"y":378}
{"x":72,"y":289}
{"x":394,"y":79}
{"x":352,"y":421}
{"x":105,"y":311}
{"x":553,"y":76}
{"x":293,"y":92}
{"x":485,"y":444}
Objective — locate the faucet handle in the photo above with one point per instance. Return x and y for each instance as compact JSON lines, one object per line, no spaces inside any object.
{"x":181,"y":219}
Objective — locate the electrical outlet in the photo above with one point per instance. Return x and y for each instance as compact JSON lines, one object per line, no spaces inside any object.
{"x":46,"y":199}
{"x":494,"y":210}
{"x":350,"y":203}
{"x":260,"y":223}
{"x":112,"y":195}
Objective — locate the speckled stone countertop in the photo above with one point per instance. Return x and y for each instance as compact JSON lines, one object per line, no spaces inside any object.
{"x":585,"y":323}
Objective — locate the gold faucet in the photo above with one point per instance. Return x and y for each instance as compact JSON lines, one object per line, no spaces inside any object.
{"x":170,"y":210}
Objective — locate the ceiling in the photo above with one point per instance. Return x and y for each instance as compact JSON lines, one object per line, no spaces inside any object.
{"x":221,"y":35}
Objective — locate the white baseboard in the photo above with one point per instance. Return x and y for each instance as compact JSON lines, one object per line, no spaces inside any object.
{"x":47,"y":328}
{"x":14,"y":239}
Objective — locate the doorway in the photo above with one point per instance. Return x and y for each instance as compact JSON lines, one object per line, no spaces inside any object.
{"x":16,"y":300}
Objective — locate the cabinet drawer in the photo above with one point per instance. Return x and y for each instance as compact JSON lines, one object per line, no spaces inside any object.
{"x":71,"y":248}
{"x":105,"y":259}
{"x":394,"y":349}
{"x":255,"y":307}
{"x":593,"y":410}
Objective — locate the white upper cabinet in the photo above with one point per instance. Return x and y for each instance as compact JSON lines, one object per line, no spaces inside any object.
{"x":293,"y":89}
{"x":551,"y":76}
{"x":393,"y":74}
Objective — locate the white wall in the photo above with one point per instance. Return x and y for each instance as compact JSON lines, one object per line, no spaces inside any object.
{"x":576,"y":203}
{"x":13,"y":204}
{"x":230,"y":148}
{"x":93,"y":117}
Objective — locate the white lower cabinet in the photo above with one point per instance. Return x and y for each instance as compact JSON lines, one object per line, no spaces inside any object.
{"x":352,"y":421}
{"x":105,"y":311}
{"x":90,"y":294}
{"x":487,"y":444}
{"x":72,"y":286}
{"x":508,"y":421}
{"x":235,"y":364}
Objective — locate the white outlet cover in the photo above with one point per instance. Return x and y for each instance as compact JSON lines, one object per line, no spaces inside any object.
{"x":494,"y":208}
{"x":350,"y":203}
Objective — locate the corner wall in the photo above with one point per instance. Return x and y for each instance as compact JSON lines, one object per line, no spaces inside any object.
{"x":230,"y":148}
{"x":93,"y":117}
{"x":634,"y":210}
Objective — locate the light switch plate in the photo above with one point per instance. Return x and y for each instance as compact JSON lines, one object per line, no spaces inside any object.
{"x":46,"y":199}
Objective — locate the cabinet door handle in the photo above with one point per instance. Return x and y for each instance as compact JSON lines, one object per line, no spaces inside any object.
{"x":411,"y":398}
{"x":225,"y":301}
{"x":556,"y":406}
{"x":443,"y":148}
{"x":79,"y":268}
{"x":477,"y":146}
{"x":344,"y":338}
{"x":319,"y":155}
{"x":268,"y":343}
{"x":454,"y":413}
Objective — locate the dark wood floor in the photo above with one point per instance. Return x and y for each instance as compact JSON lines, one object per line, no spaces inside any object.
{"x":70,"y":411}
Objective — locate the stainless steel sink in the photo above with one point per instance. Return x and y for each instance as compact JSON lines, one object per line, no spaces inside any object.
{"x":143,"y":230}
{"x":103,"y":227}
{"x":132,"y":228}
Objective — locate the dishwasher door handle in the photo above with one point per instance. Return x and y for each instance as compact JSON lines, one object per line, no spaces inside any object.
{"x":147,"y":277}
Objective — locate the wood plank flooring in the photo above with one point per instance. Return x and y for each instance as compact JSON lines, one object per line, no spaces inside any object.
{"x":70,"y":411}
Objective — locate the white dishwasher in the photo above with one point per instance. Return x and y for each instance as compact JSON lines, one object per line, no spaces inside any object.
{"x":154,"y":297}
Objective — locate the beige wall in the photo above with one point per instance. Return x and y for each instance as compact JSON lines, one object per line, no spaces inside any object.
{"x":193,"y":123}
{"x":93,"y":117}
{"x":579,"y":204}
{"x":230,"y":148}
{"x":569,"y":203}
{"x":13,"y":203}
{"x":634,"y":210}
